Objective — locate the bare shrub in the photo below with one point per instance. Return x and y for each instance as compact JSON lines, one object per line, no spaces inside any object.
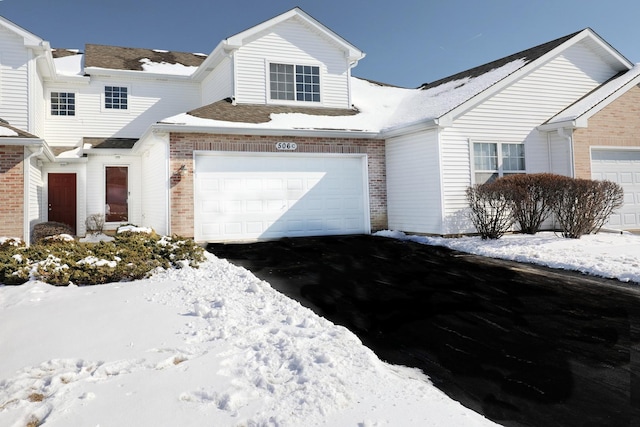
{"x":94,"y":223}
{"x":47,"y":229}
{"x":531,"y":196}
{"x":582,"y":206}
{"x":491,"y":208}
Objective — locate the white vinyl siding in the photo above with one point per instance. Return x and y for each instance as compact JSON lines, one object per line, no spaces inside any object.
{"x":560,"y":154}
{"x":35,"y":188}
{"x":219,"y":84}
{"x":155,"y":181}
{"x":15,"y":61}
{"x":149,"y":101}
{"x":310,"y":48}
{"x":413,"y":183}
{"x":513,"y":116}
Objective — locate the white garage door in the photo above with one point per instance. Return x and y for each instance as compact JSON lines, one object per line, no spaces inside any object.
{"x":623,"y":167}
{"x":242,"y":196}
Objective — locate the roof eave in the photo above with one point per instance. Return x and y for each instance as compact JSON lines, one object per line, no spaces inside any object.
{"x":240,"y":130}
{"x":148,"y":75}
{"x":30,"y":142}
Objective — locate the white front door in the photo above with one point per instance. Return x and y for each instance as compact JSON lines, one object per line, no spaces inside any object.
{"x":249,"y":196}
{"x":622,"y":167}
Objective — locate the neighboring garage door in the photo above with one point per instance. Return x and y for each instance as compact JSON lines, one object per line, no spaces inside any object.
{"x":623,"y":167}
{"x":249,"y":196}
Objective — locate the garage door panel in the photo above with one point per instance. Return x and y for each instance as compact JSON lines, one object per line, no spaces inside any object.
{"x":622,"y":167}
{"x":248,"y":197}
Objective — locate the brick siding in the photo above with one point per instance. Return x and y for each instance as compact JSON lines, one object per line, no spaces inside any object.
{"x":12,"y":191}
{"x":616,"y":125}
{"x":182,"y":146}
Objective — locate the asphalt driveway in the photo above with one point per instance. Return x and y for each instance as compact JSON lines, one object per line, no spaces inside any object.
{"x":523,"y":345}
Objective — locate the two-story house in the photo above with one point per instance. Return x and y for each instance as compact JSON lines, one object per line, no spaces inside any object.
{"x":269,"y":134}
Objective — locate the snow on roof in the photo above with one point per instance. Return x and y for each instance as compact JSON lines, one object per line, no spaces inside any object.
{"x":166,"y":67}
{"x":70,"y":65}
{"x":380,"y":107}
{"x":599,"y":95}
{"x":4,"y":131}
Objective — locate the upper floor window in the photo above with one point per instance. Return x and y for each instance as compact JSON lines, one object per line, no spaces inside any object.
{"x":115,"y":97}
{"x":63,"y":104}
{"x":493,"y":159}
{"x":294,"y":82}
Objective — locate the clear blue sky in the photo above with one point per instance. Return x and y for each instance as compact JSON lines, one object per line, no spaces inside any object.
{"x":407,"y":42}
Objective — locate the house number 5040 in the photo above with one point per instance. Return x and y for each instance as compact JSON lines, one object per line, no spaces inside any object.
{"x":287,"y":146}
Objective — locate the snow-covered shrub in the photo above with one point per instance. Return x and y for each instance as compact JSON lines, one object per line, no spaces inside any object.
{"x":491,"y":206}
{"x":582,"y":206}
{"x":51,"y":228}
{"x":131,"y":255}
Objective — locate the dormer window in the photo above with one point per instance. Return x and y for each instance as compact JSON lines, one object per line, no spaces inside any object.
{"x":290,"y":82}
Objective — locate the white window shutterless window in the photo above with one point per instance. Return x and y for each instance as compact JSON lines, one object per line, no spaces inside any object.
{"x":492,"y":160}
{"x":116,"y":97}
{"x":288,"y":82}
{"x":63,"y":104}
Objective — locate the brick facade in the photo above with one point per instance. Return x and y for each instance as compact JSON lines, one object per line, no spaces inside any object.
{"x":182,"y":146}
{"x":616,"y":125}
{"x":12,"y":191}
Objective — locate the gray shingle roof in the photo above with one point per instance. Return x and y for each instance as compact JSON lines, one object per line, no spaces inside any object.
{"x":61,"y":53}
{"x":125,"y":143}
{"x":20,"y":132}
{"x":250,"y":113}
{"x":128,"y":58}
{"x":528,"y":55}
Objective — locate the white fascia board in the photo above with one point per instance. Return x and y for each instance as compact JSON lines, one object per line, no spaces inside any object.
{"x":133,"y":74}
{"x":30,"y":39}
{"x":31,"y":143}
{"x":411,"y":128}
{"x":239,"y":130}
{"x":216,"y":56}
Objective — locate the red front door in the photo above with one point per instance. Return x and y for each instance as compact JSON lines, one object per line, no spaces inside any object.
{"x":62,"y":198}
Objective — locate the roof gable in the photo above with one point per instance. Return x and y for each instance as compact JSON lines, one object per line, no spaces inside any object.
{"x":29,"y":38}
{"x":580,"y":111}
{"x":239,"y":39}
{"x":530,"y":60}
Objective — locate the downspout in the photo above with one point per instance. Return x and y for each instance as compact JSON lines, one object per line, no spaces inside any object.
{"x":562,"y":132}
{"x":26,"y":228}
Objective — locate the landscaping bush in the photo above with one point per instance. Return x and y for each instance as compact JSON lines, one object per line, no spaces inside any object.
{"x":582,"y":206}
{"x":94,"y":223}
{"x":491,"y":206}
{"x":531,"y":197}
{"x":48,"y":229}
{"x":131,"y":256}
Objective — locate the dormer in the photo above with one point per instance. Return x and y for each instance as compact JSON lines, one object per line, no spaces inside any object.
{"x":291,"y":59}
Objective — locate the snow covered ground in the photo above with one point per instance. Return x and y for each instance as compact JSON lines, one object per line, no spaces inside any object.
{"x":217,"y":346}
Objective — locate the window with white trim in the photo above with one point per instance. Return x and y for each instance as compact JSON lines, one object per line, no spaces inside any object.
{"x":116,"y":97}
{"x":294,"y":82}
{"x":496,"y":159}
{"x":63,"y":104}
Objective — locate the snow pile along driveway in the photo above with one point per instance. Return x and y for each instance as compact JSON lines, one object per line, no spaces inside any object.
{"x":191,"y":347}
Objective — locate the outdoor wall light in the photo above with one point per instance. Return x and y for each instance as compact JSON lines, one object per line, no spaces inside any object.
{"x":182,"y":170}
